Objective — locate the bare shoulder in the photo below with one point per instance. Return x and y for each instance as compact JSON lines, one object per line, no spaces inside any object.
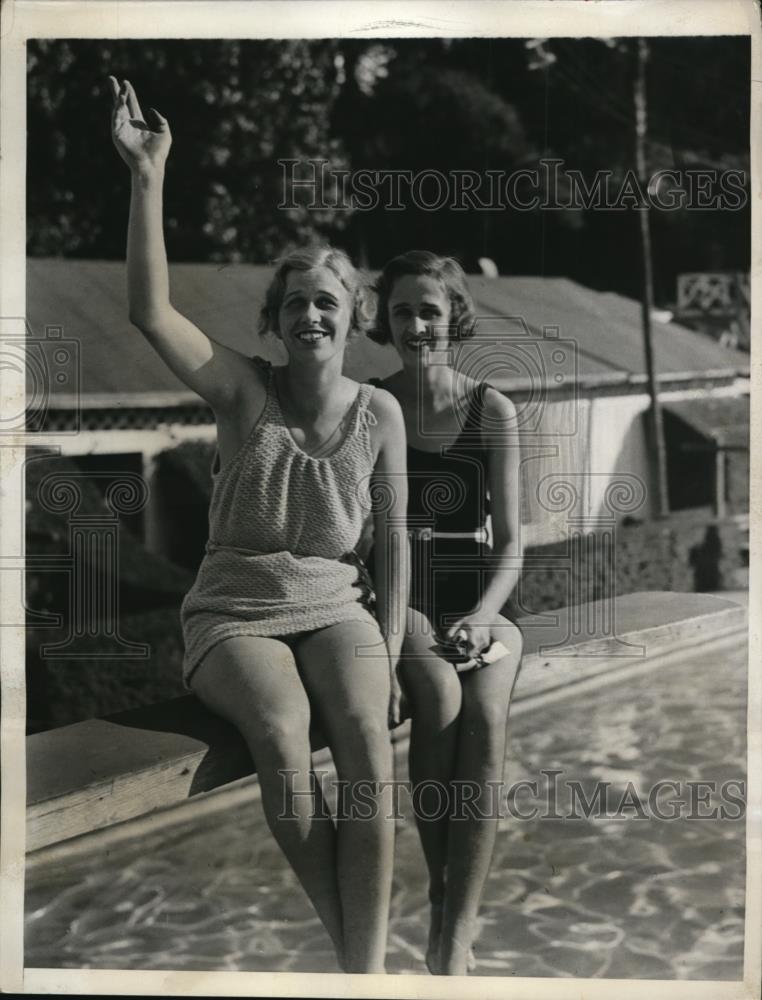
{"x":388,"y":434}
{"x":499,"y":421}
{"x":499,"y":408}
{"x":385,"y":408}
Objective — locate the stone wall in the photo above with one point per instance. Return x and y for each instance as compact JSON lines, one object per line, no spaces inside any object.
{"x":686,"y":552}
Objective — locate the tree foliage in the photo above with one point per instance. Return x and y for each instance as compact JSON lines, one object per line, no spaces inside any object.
{"x":234,"y":107}
{"x":237,"y":107}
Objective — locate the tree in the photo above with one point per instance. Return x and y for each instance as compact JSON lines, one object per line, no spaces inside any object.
{"x":696,"y":121}
{"x":235,"y":108}
{"x":419,"y":112}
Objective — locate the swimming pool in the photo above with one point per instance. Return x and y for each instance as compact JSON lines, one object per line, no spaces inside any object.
{"x":624,"y":896}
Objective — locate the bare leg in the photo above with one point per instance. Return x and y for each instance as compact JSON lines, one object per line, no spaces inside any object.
{"x":349,"y":687}
{"x":480,"y":760}
{"x":253,"y":682}
{"x":435,"y":698}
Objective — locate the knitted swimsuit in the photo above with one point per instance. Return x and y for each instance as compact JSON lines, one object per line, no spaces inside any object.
{"x":283,"y":529}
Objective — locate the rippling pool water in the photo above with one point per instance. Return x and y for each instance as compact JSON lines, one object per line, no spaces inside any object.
{"x":618,"y":897}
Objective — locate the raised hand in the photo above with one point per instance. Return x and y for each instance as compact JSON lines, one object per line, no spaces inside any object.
{"x":142,"y":147}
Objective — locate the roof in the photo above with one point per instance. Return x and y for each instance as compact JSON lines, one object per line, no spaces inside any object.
{"x":597,"y":335}
{"x":722,"y":419}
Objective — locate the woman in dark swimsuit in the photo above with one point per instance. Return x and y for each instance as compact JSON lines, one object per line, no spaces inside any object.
{"x":461,"y":656}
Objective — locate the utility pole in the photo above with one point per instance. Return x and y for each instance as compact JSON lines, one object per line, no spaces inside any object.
{"x":659,"y":454}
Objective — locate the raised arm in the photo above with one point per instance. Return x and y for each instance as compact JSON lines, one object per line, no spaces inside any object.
{"x":213,"y":371}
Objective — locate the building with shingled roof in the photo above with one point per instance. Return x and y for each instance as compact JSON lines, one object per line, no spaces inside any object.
{"x":571,"y":359}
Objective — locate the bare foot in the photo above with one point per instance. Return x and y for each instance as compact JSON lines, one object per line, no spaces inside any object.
{"x":434,"y":949}
{"x":433,"y":958}
{"x":458,"y":958}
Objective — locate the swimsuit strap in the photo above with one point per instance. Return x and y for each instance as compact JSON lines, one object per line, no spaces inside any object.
{"x":476,"y":406}
{"x":272,"y":412}
{"x":471,"y":430}
{"x":364,"y":417}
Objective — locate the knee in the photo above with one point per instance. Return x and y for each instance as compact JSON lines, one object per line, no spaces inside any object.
{"x":430,"y":681}
{"x":510,"y":636}
{"x":278,"y":738}
{"x":435,"y":694}
{"x":442,"y":709}
{"x":366,"y":728}
{"x":363,"y":747}
{"x":420,"y":636}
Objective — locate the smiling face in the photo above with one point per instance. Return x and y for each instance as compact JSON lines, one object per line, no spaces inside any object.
{"x":315,"y":314}
{"x":419,"y":316}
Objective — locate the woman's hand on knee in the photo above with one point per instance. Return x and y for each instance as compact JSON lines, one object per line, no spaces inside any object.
{"x":471,"y":634}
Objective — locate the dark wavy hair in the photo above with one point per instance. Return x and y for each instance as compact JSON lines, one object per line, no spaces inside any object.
{"x":421,"y":262}
{"x":307,"y":259}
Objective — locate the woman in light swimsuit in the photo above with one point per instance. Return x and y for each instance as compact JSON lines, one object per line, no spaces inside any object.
{"x":277,"y":626}
{"x":461,"y":657}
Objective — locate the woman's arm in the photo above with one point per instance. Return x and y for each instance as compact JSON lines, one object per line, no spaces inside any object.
{"x":501,"y":439}
{"x":215,"y":372}
{"x":389,"y":496}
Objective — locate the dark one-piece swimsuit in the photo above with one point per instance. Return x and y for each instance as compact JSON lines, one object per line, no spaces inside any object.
{"x":447,"y":512}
